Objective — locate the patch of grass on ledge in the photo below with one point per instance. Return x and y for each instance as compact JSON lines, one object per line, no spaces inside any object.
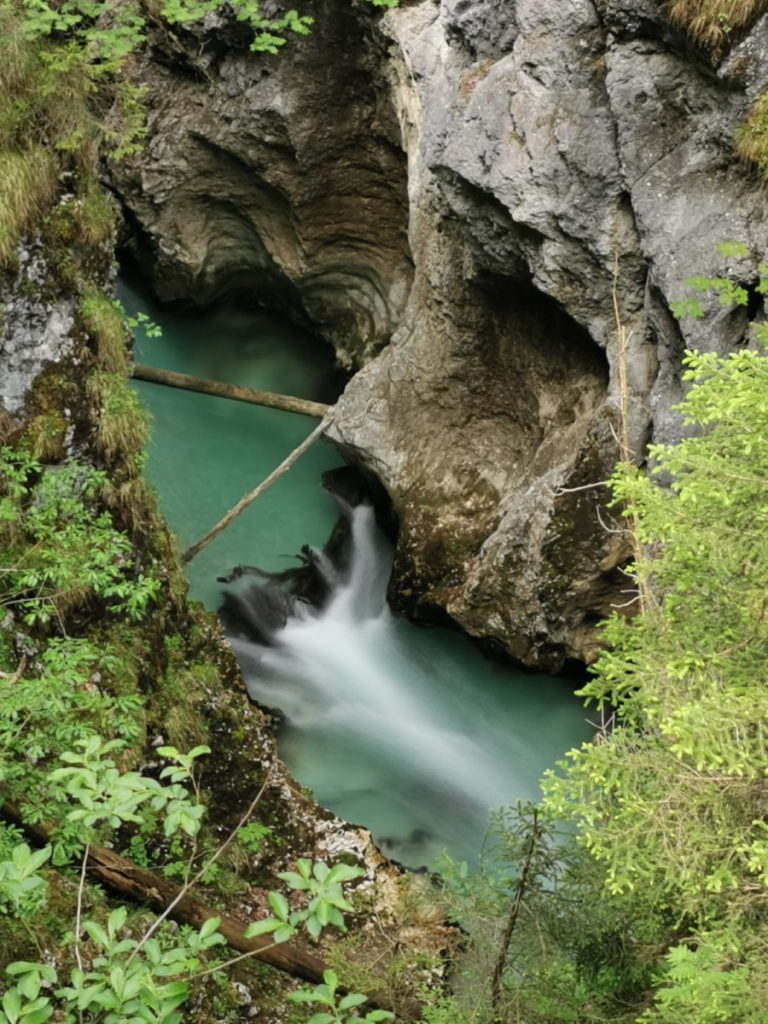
{"x":28,"y":185}
{"x":712,"y":23}
{"x":752,"y":136}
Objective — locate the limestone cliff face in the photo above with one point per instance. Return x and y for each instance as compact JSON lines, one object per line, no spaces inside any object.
{"x":480,"y":191}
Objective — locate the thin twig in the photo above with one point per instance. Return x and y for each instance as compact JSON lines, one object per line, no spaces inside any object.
{"x":211,"y":860}
{"x":251,"y":496}
{"x":79,"y":912}
{"x":520,"y":891}
{"x":606,"y":527}
{"x":235,"y":960}
{"x":584,"y":487}
{"x":16,"y":676}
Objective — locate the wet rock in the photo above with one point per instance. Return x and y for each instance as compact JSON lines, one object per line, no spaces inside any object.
{"x":507,"y":195}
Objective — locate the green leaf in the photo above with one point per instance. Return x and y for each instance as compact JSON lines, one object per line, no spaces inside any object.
{"x":263,"y":927}
{"x":320,"y":870}
{"x":12,"y":1005}
{"x":351,"y":1000}
{"x":294,"y":880}
{"x":279,"y":905}
{"x":344,"y":873}
{"x":38,"y":1015}
{"x":95,"y":932}
{"x":209,"y":927}
{"x":304,"y":995}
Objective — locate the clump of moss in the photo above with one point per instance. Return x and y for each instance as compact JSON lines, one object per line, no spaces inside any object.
{"x":712,"y":23}
{"x":752,"y":136}
{"x":46,"y":435}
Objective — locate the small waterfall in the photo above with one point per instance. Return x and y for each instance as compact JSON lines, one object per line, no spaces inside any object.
{"x":383,"y":720}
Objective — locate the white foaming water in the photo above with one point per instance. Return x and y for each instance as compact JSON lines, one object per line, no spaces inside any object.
{"x":408,"y":731}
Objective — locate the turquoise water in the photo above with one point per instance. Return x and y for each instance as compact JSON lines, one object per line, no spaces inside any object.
{"x":206,"y":452}
{"x":408,"y":731}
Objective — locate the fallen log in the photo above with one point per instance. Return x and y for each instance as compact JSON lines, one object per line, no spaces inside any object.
{"x":128,"y":879}
{"x":288,"y":403}
{"x":125,"y":878}
{"x":251,"y":496}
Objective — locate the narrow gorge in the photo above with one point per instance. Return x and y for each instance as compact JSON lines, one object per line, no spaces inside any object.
{"x":472,"y":203}
{"x":467,"y":226}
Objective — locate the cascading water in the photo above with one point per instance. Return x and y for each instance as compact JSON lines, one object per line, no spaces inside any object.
{"x":408,"y":731}
{"x":380,"y":721}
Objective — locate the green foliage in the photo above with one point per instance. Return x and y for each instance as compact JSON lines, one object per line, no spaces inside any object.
{"x":252,"y":836}
{"x":574,"y":955}
{"x":128,"y":980}
{"x":108,"y":32}
{"x":686,"y":674}
{"x":52,"y":707}
{"x":653,"y":911}
{"x":106,"y":795}
{"x":59,"y":550}
{"x":44,"y":96}
{"x":673,"y":802}
{"x":704,"y":985}
{"x":22,"y":889}
{"x":144,"y":980}
{"x":728,"y":292}
{"x":323,"y":887}
{"x":337,"y":1008}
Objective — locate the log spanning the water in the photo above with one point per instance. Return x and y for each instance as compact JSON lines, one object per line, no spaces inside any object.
{"x":287,"y":403}
{"x":251,"y":496}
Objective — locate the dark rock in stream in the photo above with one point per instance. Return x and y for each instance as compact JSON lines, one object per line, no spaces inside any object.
{"x":473,"y":191}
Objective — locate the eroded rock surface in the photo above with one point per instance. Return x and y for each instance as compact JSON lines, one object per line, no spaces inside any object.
{"x":502,"y":191}
{"x":35,"y":329}
{"x":279,"y":177}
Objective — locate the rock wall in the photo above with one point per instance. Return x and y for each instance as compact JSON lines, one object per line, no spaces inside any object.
{"x":497,"y":192}
{"x":281,"y":178}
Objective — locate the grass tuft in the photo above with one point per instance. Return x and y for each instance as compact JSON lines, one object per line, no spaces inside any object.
{"x":95,"y":216}
{"x":28,"y":184}
{"x":122,"y":424}
{"x":45,"y":127}
{"x":104,"y":324}
{"x":711,"y":23}
{"x":752,"y":137}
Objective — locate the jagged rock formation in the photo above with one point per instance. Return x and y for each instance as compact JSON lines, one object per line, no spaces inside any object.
{"x":491,"y":187}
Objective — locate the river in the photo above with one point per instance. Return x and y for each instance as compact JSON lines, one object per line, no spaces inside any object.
{"x":409,"y":731}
